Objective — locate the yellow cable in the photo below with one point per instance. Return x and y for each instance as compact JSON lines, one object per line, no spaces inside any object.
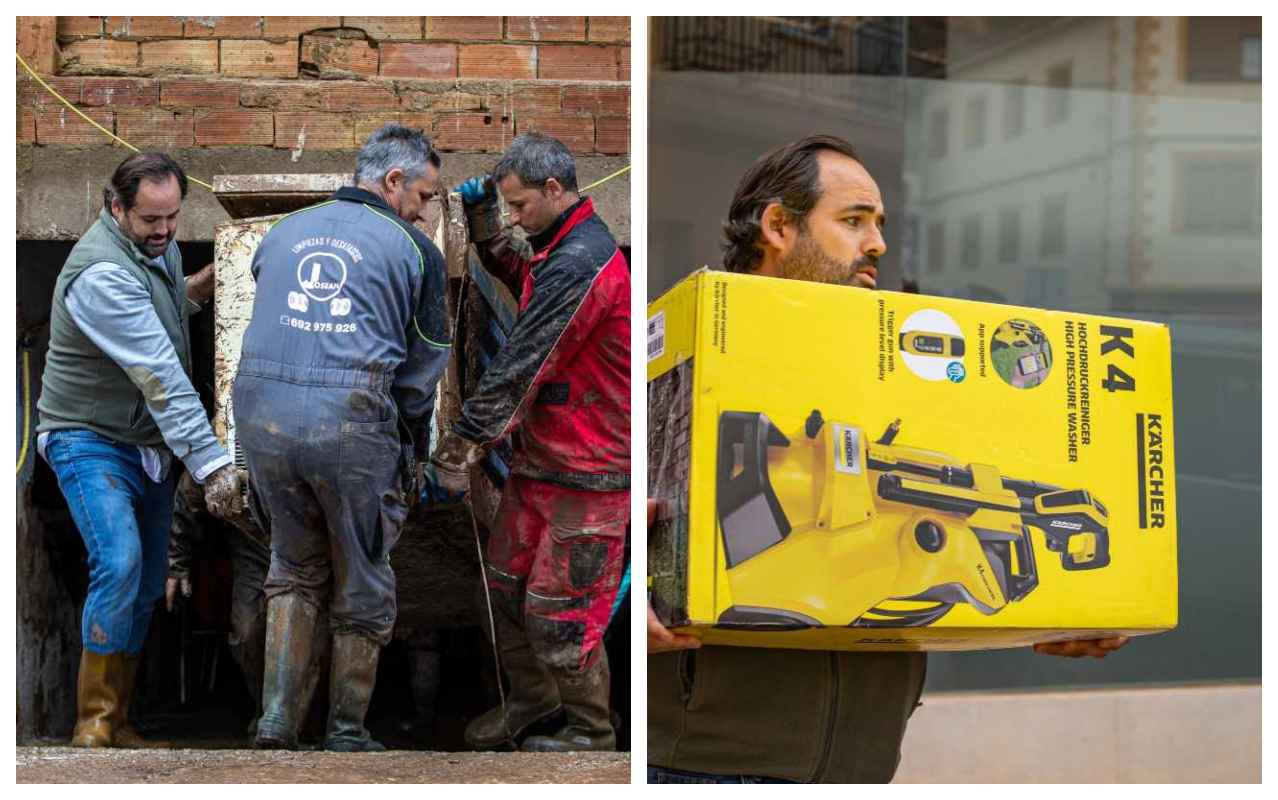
{"x":602,"y":181}
{"x":90,"y":120}
{"x":26,"y":408}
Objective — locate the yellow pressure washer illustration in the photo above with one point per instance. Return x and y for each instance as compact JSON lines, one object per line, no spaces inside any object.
{"x":926,"y":343}
{"x":823,"y":527}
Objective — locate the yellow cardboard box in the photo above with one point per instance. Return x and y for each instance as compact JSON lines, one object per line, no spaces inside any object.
{"x":844,"y":469}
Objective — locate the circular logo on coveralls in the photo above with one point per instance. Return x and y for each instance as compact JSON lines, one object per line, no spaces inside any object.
{"x":321,"y":275}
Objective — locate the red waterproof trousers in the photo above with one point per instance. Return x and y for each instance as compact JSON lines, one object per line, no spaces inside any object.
{"x":554,"y":562}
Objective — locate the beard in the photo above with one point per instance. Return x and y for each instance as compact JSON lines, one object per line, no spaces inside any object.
{"x":157,"y":249}
{"x":808,"y":262}
{"x":148,"y":248}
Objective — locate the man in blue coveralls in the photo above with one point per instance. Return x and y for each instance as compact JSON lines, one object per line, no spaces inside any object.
{"x":333,"y":403}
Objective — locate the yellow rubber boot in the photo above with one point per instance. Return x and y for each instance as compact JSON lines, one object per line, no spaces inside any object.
{"x":97,"y":699}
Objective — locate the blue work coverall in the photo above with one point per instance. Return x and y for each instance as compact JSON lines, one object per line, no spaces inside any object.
{"x":333,"y":399}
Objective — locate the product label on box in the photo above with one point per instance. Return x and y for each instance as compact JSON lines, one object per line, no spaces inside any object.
{"x":656,"y":335}
{"x":847,"y":449}
{"x":1078,"y":389}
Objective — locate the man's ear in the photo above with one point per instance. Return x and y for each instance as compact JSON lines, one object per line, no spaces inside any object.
{"x":552,"y":188}
{"x":117,"y":209}
{"x":394,"y":179}
{"x":777,"y":228}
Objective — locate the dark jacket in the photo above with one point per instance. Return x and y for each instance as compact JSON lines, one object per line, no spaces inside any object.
{"x":801,"y":715}
{"x":562,"y":381}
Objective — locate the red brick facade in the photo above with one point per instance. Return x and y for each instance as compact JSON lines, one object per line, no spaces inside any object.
{"x":326,"y":82}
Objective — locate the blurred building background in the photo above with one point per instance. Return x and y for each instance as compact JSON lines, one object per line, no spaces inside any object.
{"x":1103,"y":165}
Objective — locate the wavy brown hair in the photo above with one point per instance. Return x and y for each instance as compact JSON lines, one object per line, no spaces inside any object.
{"x":788,"y":175}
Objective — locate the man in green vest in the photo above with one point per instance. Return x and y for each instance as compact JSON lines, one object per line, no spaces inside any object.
{"x":808,"y":210}
{"x":116,"y":407}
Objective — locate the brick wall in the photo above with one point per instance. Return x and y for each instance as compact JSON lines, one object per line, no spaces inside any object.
{"x":325,"y":83}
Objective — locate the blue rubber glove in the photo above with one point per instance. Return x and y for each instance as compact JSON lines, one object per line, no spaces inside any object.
{"x":476,"y":190}
{"x":432,"y":493}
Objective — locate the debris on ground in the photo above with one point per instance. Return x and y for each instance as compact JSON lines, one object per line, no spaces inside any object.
{"x":74,"y":765}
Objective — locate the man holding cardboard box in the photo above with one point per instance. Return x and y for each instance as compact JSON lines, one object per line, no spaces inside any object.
{"x":809,"y":211}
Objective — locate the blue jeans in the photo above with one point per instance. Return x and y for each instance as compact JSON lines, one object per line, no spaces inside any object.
{"x":663,"y":775}
{"x":123,"y":517}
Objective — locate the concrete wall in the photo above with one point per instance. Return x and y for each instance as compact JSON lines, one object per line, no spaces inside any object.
{"x":59,"y":189}
{"x":1201,"y":734}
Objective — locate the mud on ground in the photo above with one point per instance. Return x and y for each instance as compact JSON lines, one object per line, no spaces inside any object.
{"x":73,"y":765}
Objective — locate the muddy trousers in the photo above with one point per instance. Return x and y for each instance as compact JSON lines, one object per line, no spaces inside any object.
{"x":554,"y":563}
{"x":247,"y":638}
{"x":250,"y":562}
{"x":330,"y":486}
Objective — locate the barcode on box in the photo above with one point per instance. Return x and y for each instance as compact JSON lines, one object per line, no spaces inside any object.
{"x":657,"y":335}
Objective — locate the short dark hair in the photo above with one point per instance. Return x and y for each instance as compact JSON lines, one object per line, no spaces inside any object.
{"x":395,"y":146}
{"x":135,"y":169}
{"x":536,"y":158}
{"x":788,"y":175}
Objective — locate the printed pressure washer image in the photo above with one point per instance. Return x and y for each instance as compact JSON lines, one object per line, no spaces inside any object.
{"x":905,"y":533}
{"x":932,"y":345}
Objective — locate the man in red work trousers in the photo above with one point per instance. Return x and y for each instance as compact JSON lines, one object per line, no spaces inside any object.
{"x":561,"y":386}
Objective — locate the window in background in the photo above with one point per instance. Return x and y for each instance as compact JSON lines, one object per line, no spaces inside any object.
{"x":1052,"y":242}
{"x":939,"y":135}
{"x":1060,"y":78}
{"x":1250,"y":67}
{"x":1009,"y":235}
{"x":1216,"y":194}
{"x":1014,"y":110}
{"x":879,"y":45}
{"x":971,"y":242}
{"x":1047,"y":288}
{"x":974,"y":123}
{"x":935,"y":246}
{"x":1221,"y":49}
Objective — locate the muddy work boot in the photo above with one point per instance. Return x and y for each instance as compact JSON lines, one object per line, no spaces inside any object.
{"x":589,"y":726}
{"x":290,"y":630}
{"x":98,"y":699}
{"x":125,"y":734}
{"x":533,"y":694}
{"x":351,"y":688}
